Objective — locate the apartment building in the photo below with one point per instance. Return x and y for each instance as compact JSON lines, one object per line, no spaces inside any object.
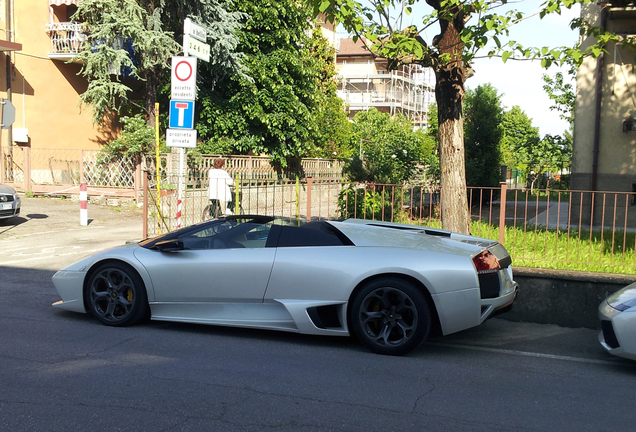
{"x":604,"y":148}
{"x":364,"y":81}
{"x":41,"y":81}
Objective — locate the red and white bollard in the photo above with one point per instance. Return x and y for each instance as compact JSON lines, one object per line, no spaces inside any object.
{"x":83,"y":205}
{"x":179,"y":213}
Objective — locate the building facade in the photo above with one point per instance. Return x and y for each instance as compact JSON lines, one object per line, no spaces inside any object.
{"x":42,"y":82}
{"x":364,"y":81}
{"x":604,"y":149}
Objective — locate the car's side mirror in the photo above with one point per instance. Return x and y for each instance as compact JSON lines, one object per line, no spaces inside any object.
{"x":172,"y":245}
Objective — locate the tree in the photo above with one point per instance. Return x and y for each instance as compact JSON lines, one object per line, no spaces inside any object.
{"x":124,"y":46}
{"x":562,"y":94}
{"x":518,"y":140}
{"x":389,"y":150}
{"x":289,"y":108}
{"x":549,"y":154}
{"x":482,"y":130}
{"x":466,"y":27}
{"x":523,"y":149}
{"x":127,"y":49}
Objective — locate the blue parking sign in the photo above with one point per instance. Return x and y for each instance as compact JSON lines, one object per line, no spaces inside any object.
{"x":181,"y":114}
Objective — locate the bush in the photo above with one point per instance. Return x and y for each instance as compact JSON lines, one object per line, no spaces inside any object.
{"x":376,"y":202}
{"x":135,"y":139}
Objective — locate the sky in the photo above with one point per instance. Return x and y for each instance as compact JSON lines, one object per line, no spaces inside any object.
{"x":520,"y":82}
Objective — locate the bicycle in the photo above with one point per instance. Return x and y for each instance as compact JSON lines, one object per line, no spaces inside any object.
{"x":214,"y":211}
{"x":211,"y":211}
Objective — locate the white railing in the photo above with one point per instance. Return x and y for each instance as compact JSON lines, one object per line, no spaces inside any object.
{"x":66,"y":37}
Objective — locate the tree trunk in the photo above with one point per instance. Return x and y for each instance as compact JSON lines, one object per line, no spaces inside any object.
{"x":152,"y":80}
{"x":449,"y":92}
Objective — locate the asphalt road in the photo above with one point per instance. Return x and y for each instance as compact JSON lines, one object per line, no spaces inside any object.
{"x":62,"y":371}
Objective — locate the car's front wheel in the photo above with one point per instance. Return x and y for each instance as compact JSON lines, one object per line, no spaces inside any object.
{"x":116,"y":295}
{"x":390,"y":316}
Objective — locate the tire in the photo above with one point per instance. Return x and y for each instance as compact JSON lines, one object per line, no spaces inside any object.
{"x":115,"y":295}
{"x":390,"y":316}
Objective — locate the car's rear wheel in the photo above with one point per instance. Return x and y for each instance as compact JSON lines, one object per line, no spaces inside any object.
{"x":116,"y":295}
{"x":390,"y":316}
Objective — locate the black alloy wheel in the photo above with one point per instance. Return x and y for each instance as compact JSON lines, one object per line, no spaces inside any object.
{"x":116,"y":295}
{"x":390,"y":316}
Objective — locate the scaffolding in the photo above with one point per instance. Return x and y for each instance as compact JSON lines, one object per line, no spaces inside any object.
{"x":408,"y":91}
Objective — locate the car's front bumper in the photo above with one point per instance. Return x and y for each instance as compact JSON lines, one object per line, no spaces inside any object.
{"x":10,"y":208}
{"x":70,"y":285}
{"x":618,"y":331}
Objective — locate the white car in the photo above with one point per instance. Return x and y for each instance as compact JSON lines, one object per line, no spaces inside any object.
{"x":388,"y":284}
{"x":9,"y":202}
{"x":618,"y":323}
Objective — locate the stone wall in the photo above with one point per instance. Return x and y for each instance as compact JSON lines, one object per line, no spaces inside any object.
{"x":568,"y":299}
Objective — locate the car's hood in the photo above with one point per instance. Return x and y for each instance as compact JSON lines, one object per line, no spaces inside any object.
{"x":115,"y":253}
{"x":4,"y":189}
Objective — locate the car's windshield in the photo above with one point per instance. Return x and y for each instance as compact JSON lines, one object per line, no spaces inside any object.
{"x":229,"y":234}
{"x":230,"y":231}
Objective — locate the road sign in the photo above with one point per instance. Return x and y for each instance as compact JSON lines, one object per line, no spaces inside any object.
{"x":194,"y":30}
{"x":181,"y":138}
{"x":181,"y":114}
{"x":8,"y":113}
{"x":183,"y":78}
{"x":199,"y":49}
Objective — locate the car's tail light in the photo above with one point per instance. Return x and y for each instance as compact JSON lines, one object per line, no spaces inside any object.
{"x":486,"y":262}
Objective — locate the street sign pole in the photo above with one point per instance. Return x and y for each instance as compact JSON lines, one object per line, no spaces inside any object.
{"x":184,"y":75}
{"x":181,"y":187}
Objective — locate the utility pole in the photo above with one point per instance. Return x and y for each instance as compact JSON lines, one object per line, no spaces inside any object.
{"x":7,"y":56}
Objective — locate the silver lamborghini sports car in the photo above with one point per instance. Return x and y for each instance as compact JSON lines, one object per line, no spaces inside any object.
{"x":618,"y":323}
{"x":389,"y":284}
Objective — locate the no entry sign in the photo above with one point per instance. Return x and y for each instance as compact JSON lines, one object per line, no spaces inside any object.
{"x":184,"y":77}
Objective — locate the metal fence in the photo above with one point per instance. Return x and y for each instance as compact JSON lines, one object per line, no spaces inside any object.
{"x":304,"y":198}
{"x":54,"y":171}
{"x":576,"y":230}
{"x":260,"y":167}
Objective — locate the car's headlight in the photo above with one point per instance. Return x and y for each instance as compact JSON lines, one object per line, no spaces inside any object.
{"x":623,"y":299}
{"x":624,"y":306}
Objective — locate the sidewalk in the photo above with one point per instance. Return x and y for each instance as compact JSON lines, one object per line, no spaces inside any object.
{"x":48,"y":234}
{"x":555,"y":215}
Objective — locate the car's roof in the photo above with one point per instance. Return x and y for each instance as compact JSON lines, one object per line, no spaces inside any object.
{"x":365,"y":233}
{"x":6,"y":189}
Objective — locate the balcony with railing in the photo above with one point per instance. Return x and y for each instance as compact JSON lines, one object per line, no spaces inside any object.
{"x":66,"y":40}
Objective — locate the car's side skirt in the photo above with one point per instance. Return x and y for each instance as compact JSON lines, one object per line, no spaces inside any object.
{"x":263,"y":315}
{"x":269,"y":315}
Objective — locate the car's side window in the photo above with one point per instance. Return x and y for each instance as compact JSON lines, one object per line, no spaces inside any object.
{"x":228,"y":235}
{"x":312,"y":234}
{"x":256,"y":237}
